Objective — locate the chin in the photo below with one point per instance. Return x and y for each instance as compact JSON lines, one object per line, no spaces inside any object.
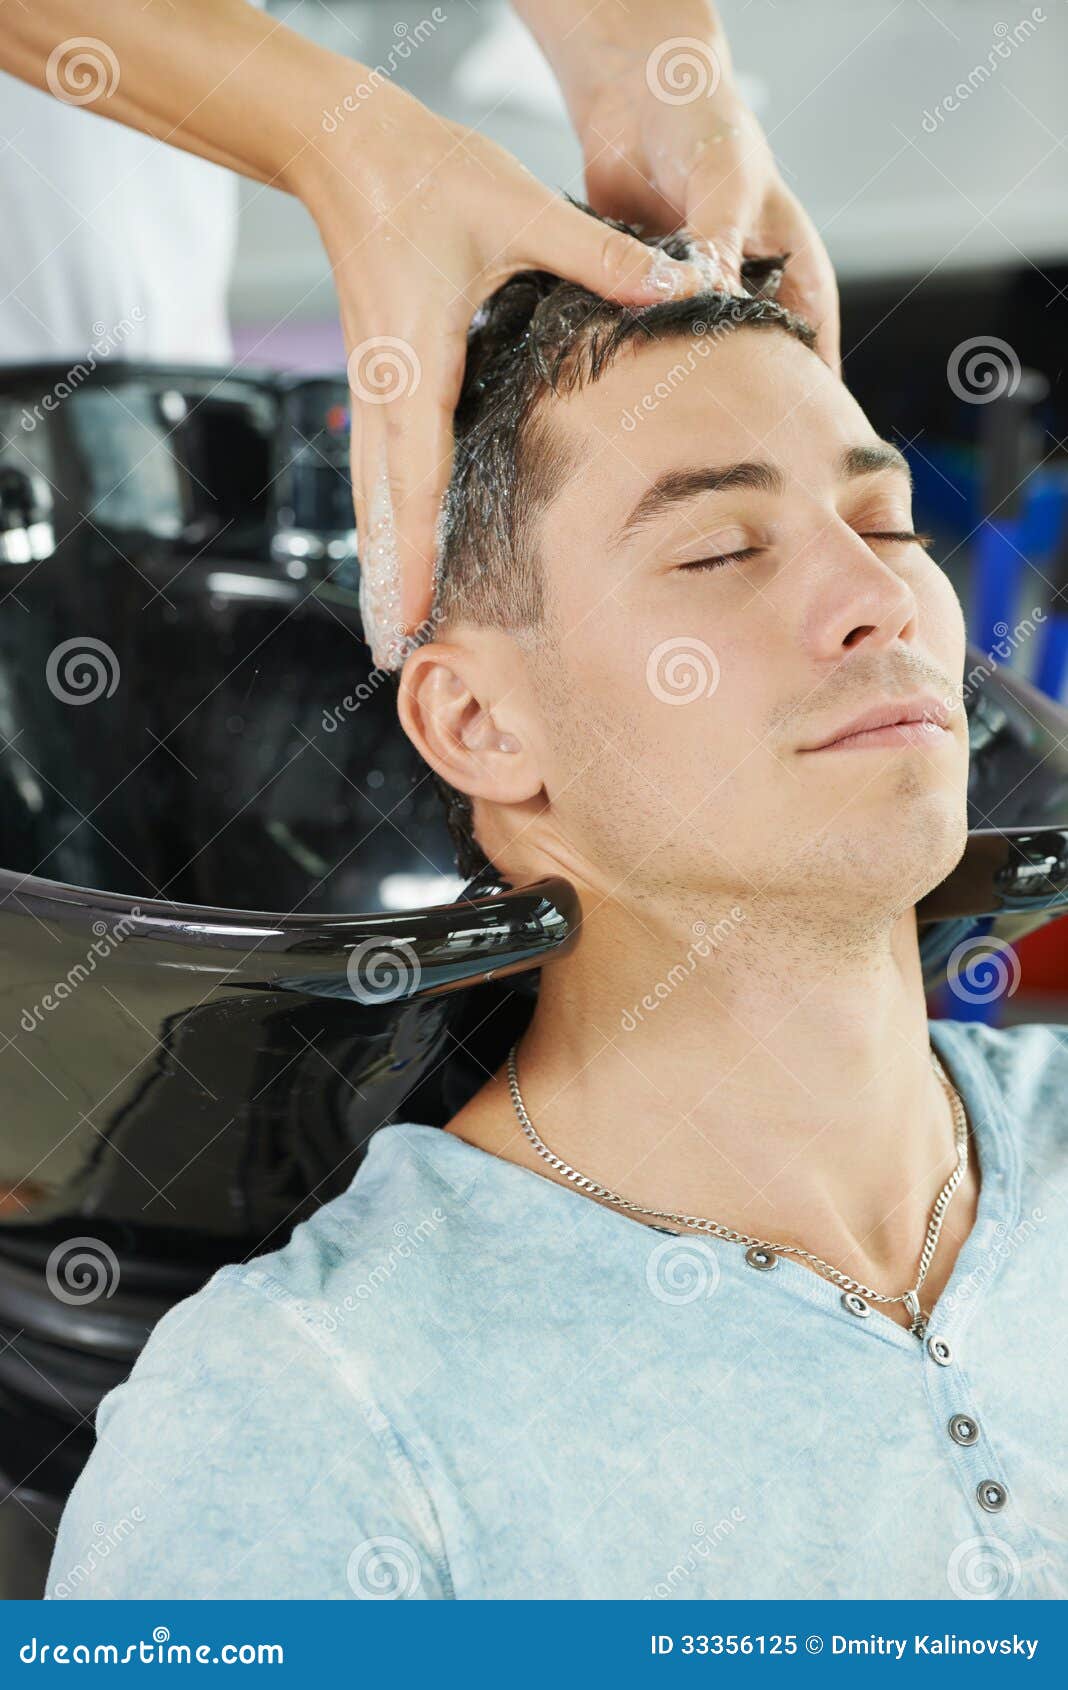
{"x":887,"y":855}
{"x":912,"y":855}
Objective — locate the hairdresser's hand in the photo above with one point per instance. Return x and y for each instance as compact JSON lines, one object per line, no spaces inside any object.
{"x":708,"y":168}
{"x":670,"y":144}
{"x":422,"y":221}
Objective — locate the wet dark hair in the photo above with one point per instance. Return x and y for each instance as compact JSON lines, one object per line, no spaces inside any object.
{"x":535,"y":337}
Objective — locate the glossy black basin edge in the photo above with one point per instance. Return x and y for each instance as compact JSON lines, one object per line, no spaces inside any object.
{"x":1004,"y":871}
{"x":368,"y":959}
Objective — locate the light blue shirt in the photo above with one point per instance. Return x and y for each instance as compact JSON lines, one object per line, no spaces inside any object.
{"x":463,"y":1379}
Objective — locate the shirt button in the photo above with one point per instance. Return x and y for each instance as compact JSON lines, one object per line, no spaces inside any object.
{"x":963,"y":1429}
{"x":992,"y":1496}
{"x":938,"y":1349}
{"x":758,"y":1257}
{"x":854,"y":1302}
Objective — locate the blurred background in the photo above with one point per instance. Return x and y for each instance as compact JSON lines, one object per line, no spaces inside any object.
{"x":188,"y":712}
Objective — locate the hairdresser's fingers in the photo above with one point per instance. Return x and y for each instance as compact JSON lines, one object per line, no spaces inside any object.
{"x":561,"y":238}
{"x":405,"y":390}
{"x":720,"y":209}
{"x":366,"y":447}
{"x":375,"y":371}
{"x":420,"y":451}
{"x":809,"y":286}
{"x":378,"y":548}
{"x":617,"y":186}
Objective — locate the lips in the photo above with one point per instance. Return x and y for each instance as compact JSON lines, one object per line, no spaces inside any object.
{"x":924,"y":708}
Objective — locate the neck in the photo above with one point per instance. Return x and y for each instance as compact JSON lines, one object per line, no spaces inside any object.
{"x":767,"y":1075}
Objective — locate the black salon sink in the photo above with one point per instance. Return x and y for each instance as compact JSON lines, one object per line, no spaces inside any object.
{"x":233,"y":940}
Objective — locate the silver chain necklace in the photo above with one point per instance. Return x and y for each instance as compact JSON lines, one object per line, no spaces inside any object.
{"x":760,"y":1252}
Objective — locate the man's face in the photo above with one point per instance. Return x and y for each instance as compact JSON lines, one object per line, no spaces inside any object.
{"x":672,"y":715}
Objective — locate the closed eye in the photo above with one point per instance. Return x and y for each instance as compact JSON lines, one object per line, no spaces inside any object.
{"x":725,"y":557}
{"x":903,"y":535}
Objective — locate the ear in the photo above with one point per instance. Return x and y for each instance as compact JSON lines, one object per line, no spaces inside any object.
{"x":466,"y":718}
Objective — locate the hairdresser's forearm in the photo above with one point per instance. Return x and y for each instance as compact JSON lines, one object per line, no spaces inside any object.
{"x":587,"y":50}
{"x":216,"y":77}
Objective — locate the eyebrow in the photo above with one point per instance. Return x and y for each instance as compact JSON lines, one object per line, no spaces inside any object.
{"x":676,"y":486}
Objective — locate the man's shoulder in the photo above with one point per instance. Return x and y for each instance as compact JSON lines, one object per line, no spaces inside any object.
{"x":372,"y":1272}
{"x":264,"y":1429}
{"x":1029,"y":1056}
{"x":381,"y":1264}
{"x":390,"y":1236}
{"x":1026,"y":1066}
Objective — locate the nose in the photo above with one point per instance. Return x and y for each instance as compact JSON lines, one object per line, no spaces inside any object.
{"x":856,"y":596}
